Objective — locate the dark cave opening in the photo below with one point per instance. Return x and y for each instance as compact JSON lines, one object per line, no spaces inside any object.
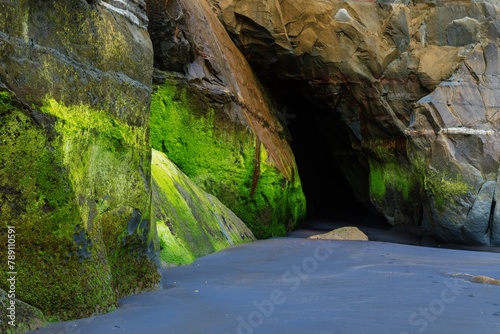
{"x":321,"y":143}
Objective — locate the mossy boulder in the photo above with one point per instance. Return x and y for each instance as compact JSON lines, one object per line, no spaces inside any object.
{"x":75,"y":174}
{"x":191,"y":223}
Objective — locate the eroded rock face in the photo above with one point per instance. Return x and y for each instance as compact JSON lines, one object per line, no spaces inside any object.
{"x":417,"y":84}
{"x":75,"y":180}
{"x":213,"y":119}
{"x":191,"y":223}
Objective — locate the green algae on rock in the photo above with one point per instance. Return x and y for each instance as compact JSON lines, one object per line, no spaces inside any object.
{"x":216,"y":121}
{"x":110,"y":153}
{"x":75,"y":174}
{"x":226,"y":160}
{"x":191,"y":223}
{"x":67,"y":195}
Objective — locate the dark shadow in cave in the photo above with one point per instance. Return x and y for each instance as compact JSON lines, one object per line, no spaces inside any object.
{"x":320,"y":140}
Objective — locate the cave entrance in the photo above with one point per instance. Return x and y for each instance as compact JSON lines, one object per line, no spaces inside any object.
{"x":321,"y":142}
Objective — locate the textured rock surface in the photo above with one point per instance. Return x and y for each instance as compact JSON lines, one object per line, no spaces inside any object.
{"x":191,"y":223}
{"x":343,"y":233}
{"x":214,"y":120}
{"x":75,"y":178}
{"x":416,"y":82}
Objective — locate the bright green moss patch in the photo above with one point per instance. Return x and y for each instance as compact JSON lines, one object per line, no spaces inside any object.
{"x":105,"y":158}
{"x":384,"y":175}
{"x":38,"y":199}
{"x":377,"y":183}
{"x":226,"y":160}
{"x":174,"y":250}
{"x":191,"y":222}
{"x":72,"y":190}
{"x":444,"y":188}
{"x":386,"y":172}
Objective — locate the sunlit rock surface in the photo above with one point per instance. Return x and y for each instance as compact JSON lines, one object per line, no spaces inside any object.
{"x":342,"y":233}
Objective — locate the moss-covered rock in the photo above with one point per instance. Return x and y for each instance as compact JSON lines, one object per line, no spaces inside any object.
{"x":214,"y":119}
{"x":79,"y":225}
{"x":191,"y":223}
{"x":226,"y":160}
{"x":403,"y":179}
{"x":75,"y":174}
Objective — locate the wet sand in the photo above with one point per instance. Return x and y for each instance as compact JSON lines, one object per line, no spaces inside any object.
{"x":296,"y":285}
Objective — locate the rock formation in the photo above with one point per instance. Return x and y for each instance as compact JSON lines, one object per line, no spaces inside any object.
{"x":191,"y":223}
{"x":485,"y":280}
{"x":75,"y":180}
{"x":404,"y":93}
{"x":213,"y":119}
{"x":416,"y":85}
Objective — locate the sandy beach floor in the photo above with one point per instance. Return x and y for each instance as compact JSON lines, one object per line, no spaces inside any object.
{"x":297,"y":285}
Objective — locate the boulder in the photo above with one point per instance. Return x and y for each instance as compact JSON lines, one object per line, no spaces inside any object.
{"x":191,"y":223}
{"x":485,"y":280}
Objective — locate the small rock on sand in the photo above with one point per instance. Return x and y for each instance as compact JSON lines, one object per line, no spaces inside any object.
{"x":485,"y":280}
{"x":343,"y":233}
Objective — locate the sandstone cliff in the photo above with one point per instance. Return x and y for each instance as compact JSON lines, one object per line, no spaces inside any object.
{"x":415,"y":82}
